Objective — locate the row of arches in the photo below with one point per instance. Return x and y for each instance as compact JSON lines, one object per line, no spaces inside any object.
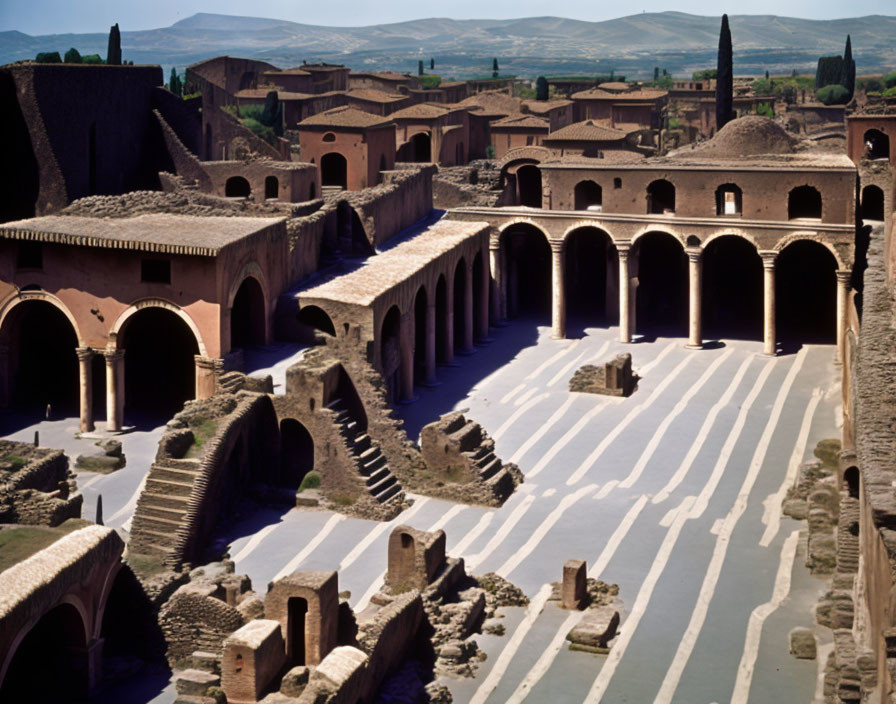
{"x":238,"y":187}
{"x":732,"y":284}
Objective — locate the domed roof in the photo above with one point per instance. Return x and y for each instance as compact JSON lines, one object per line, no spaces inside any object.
{"x":746,"y":137}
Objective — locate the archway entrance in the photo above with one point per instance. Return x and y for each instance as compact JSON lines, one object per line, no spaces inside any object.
{"x":247,"y":317}
{"x":588,"y":196}
{"x":877,"y":145}
{"x":732,"y":289}
{"x":528,"y":259}
{"x":50,"y":664}
{"x":592,"y":277}
{"x":237,"y":187}
{"x":160,"y":369}
{"x":315,"y":318}
{"x":528,"y":184}
{"x":271,"y":187}
{"x":43,"y":366}
{"x":420,"y":305}
{"x":334,"y":170}
{"x":660,"y":197}
{"x":441,"y":320}
{"x":872,"y":203}
{"x":417,"y":149}
{"x":806,"y":294}
{"x":804,"y":202}
{"x":662,"y":294}
{"x":480,"y":314}
{"x":351,"y":236}
{"x":390,"y":351}
{"x":296,"y":453}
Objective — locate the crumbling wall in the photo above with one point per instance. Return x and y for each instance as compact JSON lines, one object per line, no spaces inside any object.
{"x":36,"y":485}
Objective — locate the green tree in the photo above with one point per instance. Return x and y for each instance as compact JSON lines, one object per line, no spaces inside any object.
{"x":420,"y":68}
{"x":831,"y":70}
{"x":833,"y":95}
{"x":494,"y":68}
{"x":432,"y":64}
{"x":272,"y":114}
{"x":92,"y":59}
{"x":849,"y":68}
{"x":48,"y":57}
{"x":174,"y":83}
{"x":73,"y":56}
{"x":766,"y":75}
{"x":889,"y":80}
{"x":725,"y":78}
{"x":541,"y":88}
{"x":113,"y":54}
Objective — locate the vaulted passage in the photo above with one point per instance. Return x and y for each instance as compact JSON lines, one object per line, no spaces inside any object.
{"x":420,"y":304}
{"x":732,"y":289}
{"x":592,"y":277}
{"x":43,"y":366}
{"x":872,"y":203}
{"x":528,"y":259}
{"x":237,"y":187}
{"x":390,"y":351}
{"x":442,"y":352}
{"x":460,"y":296}
{"x":417,"y":149}
{"x":528,"y":183}
{"x":247,"y":317}
{"x":160,"y":372}
{"x":662,"y":296}
{"x":333,"y":170}
{"x":806,"y":294}
{"x":296,"y":453}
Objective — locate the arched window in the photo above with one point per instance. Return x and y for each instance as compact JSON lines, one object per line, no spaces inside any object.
{"x":872,"y":203}
{"x":877,"y":145}
{"x":329,"y":137}
{"x":804,"y":202}
{"x":660,"y":197}
{"x":237,"y":187}
{"x":729,"y":200}
{"x":588,"y":196}
{"x":528,"y":178}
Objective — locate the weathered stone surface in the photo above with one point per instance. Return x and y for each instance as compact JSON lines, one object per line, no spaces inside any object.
{"x":596,"y":629}
{"x":822,"y":553}
{"x":798,"y":509}
{"x":613,"y":378}
{"x":195,"y":682}
{"x":803,"y":644}
{"x":573,"y":592}
{"x":294,"y":681}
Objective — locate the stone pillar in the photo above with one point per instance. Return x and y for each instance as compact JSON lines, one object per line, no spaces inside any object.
{"x":114,"y":390}
{"x":695,"y":280}
{"x":468,"y":307}
{"x":485,"y":290}
{"x":448,"y":342}
{"x":430,"y":350}
{"x":844,"y":277}
{"x":85,"y":387}
{"x":558,"y":292}
{"x":769,"y":337}
{"x":406,"y":368}
{"x":497,"y":292}
{"x":625,"y":308}
{"x":574,"y":588}
{"x":206,"y":375}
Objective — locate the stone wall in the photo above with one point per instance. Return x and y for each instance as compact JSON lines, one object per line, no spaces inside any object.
{"x":36,"y":486}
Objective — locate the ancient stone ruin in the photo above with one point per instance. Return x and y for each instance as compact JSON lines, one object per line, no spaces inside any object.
{"x":613,"y":378}
{"x":36,"y":486}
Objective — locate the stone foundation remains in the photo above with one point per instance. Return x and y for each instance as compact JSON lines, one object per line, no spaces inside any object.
{"x":614,"y":378}
{"x":36,"y":485}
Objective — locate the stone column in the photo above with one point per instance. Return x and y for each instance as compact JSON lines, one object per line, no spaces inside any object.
{"x":625,"y":308}
{"x":498,"y":305}
{"x":430,"y":350}
{"x":558,"y":292}
{"x":769,"y":336}
{"x":844,"y":278}
{"x":448,"y":343}
{"x":114,"y":390}
{"x":206,"y":375}
{"x":485,"y":289}
{"x":468,"y":308}
{"x":695,"y":280}
{"x":406,"y":367}
{"x":85,"y":387}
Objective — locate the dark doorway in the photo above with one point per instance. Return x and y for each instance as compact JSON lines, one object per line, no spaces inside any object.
{"x":528,"y":258}
{"x":420,"y":305}
{"x":806,"y":294}
{"x":591,"y":270}
{"x":441,"y":318}
{"x":351,"y":235}
{"x":851,"y":478}
{"x":160,"y":369}
{"x":732,"y":289}
{"x":872,"y":203}
{"x":588,"y":196}
{"x":660,"y":197}
{"x":247,"y":317}
{"x":877,"y":145}
{"x":43,"y":365}
{"x":729,"y":200}
{"x":460,"y":299}
{"x":390,"y":351}
{"x":334,"y":170}
{"x":296,"y":614}
{"x":346,"y":391}
{"x":316,"y":318}
{"x":271,"y":187}
{"x":419,"y":148}
{"x":296,"y":453}
{"x":237,"y":187}
{"x":662,"y":295}
{"x":478,"y":293}
{"x":528,"y":180}
{"x":804,"y":202}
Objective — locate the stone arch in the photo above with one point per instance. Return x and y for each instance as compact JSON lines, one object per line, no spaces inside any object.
{"x":529,"y":185}
{"x":647,"y":230}
{"x":421,"y":303}
{"x":587,"y":195}
{"x":731,"y":233}
{"x":328,"y":137}
{"x":851,"y":479}
{"x":296,"y":452}
{"x":579,"y":224}
{"x":137,"y":306}
{"x":806,"y":292}
{"x":317,"y":318}
{"x":872,"y":205}
{"x":418,"y":148}
{"x":591,"y":274}
{"x":877,"y":144}
{"x":443,"y":327}
{"x":461,"y":272}
{"x":237,"y":187}
{"x":390,"y":350}
{"x":787,"y":240}
{"x":39,"y":295}
{"x":528,"y":154}
{"x":658,"y":259}
{"x":804,"y":202}
{"x":526,"y":253}
{"x":334,"y":170}
{"x":660,"y":196}
{"x":732,"y":287}
{"x":248,"y":314}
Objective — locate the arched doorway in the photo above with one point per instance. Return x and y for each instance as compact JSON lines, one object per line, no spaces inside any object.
{"x":334,"y":170}
{"x":729,"y":200}
{"x":237,"y":187}
{"x":390,"y":351}
{"x":804,"y":202}
{"x":528,"y":183}
{"x":872,"y":203}
{"x":50,"y":663}
{"x":806,"y":294}
{"x":271,"y":187}
{"x":851,"y":479}
{"x":460,"y":302}
{"x":296,"y":453}
{"x":662,"y":294}
{"x":588,"y":196}
{"x":159,"y":364}
{"x":732,"y":289}
{"x":420,"y":305}
{"x":528,"y":259}
{"x":419,"y":148}
{"x":660,"y":197}
{"x":877,"y":145}
{"x":441,"y":320}
{"x":592,"y":277}
{"x":247,"y":316}
{"x":316,"y":318}
{"x":43,"y":366}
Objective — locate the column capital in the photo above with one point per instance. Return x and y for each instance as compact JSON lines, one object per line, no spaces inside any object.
{"x":623,"y":248}
{"x":844,"y":276}
{"x":768,"y":258}
{"x":695,"y":254}
{"x":113,"y":355}
{"x":84,"y":353}
{"x":494,"y":245}
{"x":557,"y":246}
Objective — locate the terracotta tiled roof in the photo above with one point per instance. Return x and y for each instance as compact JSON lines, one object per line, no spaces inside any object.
{"x":637,"y":95}
{"x":373,"y":95}
{"x":345,"y":117}
{"x":542,"y":107}
{"x":614,"y":86}
{"x":425,"y":111}
{"x":587,"y":131}
{"x":256,"y":93}
{"x":384,"y":75}
{"x":493,"y":103}
{"x":523,"y":121}
{"x":288,"y":72}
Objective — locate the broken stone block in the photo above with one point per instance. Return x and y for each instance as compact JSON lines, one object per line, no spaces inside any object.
{"x":803,"y":644}
{"x":208,"y":662}
{"x":105,"y":460}
{"x":798,"y":509}
{"x":613,"y":378}
{"x":822,"y":553}
{"x":294,"y":681}
{"x":195,"y":682}
{"x":573,"y":592}
{"x":596,"y":629}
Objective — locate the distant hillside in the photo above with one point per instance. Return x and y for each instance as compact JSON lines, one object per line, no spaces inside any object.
{"x":631,"y":45}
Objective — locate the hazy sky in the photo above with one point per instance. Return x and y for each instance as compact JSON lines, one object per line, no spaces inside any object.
{"x":61,"y":16}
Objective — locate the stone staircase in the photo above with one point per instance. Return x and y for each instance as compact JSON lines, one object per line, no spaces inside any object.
{"x":479,"y":449}
{"x":230,"y":382}
{"x":372,"y":464}
{"x":162,"y":506}
{"x":330,"y":190}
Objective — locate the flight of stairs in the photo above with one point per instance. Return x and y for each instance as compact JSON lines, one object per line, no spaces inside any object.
{"x":479,"y":449}
{"x":372,"y":464}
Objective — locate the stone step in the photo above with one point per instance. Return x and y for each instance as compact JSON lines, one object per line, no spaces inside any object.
{"x":172,"y":514}
{"x":362,"y":444}
{"x":389,"y":493}
{"x":382,"y":485}
{"x":163,"y":526}
{"x":148,"y":498}
{"x":185,"y":476}
{"x":169,"y":487}
{"x":485,"y":460}
{"x":468,"y":437}
{"x":377,"y":476}
{"x":149,"y":536}
{"x":376,"y":463}
{"x":491,"y":469}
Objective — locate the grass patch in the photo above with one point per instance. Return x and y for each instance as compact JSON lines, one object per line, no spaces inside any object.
{"x":146,"y":565}
{"x":20,"y":543}
{"x":204,"y":429}
{"x":310,"y":481}
{"x":342,"y":499}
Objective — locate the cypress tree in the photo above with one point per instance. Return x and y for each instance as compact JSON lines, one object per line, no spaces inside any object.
{"x":849,"y":68}
{"x":113,"y":55}
{"x":420,"y":68}
{"x":494,"y":68}
{"x":272,"y":113}
{"x":432,"y":64}
{"x":656,"y":73}
{"x":73,"y":56}
{"x":724,"y":78}
{"x":174,"y":84}
{"x":541,"y":88}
